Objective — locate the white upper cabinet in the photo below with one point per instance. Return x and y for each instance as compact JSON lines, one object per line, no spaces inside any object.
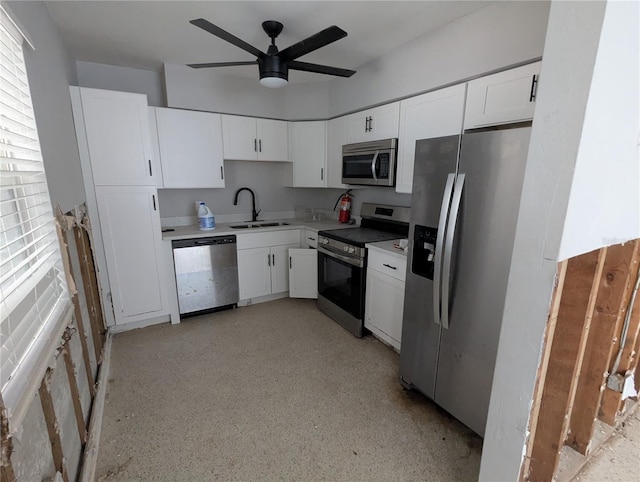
{"x":252,"y":139}
{"x":190,"y":148}
{"x":117,"y":130}
{"x":336,"y":138}
{"x":155,"y":148}
{"x":503,"y":97}
{"x":435,"y":114}
{"x":308,"y":145}
{"x":272,"y":140}
{"x":373,"y":124}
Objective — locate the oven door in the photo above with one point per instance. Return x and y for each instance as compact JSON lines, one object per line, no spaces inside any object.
{"x":375,"y":168}
{"x":341,"y":280}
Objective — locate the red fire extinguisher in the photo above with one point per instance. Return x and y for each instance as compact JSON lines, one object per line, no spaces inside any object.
{"x":345,"y":208}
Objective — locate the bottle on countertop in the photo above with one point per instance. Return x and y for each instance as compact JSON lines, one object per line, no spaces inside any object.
{"x":205,"y":216}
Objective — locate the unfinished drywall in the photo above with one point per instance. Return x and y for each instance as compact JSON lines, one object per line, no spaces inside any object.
{"x":51,"y":69}
{"x":125,"y":79}
{"x":604,"y":203}
{"x":569,"y":55}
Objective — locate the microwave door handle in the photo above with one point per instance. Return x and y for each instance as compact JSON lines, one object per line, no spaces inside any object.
{"x":373,"y":165}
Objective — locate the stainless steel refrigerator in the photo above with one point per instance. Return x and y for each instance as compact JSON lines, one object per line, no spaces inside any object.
{"x":464,"y":208}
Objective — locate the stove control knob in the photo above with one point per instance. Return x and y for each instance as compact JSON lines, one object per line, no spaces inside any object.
{"x":352,"y":249}
{"x":324,"y":240}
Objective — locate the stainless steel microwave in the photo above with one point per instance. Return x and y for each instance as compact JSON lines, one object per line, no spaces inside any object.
{"x":370,"y":163}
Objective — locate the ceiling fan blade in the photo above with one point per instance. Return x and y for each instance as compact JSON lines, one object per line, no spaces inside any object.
{"x":224,"y":35}
{"x":320,"y":69}
{"x":221,"y":64}
{"x":325,"y":37}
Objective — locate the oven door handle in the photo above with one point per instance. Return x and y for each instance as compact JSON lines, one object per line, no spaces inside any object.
{"x":352,"y":261}
{"x":373,"y":165}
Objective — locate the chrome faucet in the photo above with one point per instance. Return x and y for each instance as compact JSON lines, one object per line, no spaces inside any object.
{"x":254,"y":213}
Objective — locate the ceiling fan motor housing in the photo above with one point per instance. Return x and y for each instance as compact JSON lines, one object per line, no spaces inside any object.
{"x":273,"y":66}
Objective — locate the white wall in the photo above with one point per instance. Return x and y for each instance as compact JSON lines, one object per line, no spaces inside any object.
{"x":569,"y":56}
{"x":211,"y":90}
{"x":113,"y":77}
{"x":494,"y":37}
{"x":604,"y":204}
{"x":51,"y":69}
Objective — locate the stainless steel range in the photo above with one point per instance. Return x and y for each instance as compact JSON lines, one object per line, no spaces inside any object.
{"x":342,"y":262}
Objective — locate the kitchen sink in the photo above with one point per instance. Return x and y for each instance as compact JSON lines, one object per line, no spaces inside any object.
{"x":258,"y":225}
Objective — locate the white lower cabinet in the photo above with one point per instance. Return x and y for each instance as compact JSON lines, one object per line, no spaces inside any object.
{"x":303,"y":273}
{"x":130,"y":226}
{"x":263,"y":262}
{"x":384,"y":302}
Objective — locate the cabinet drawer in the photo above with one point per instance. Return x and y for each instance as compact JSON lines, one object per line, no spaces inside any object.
{"x":387,"y":263}
{"x":310,"y":238}
{"x":272,"y":238}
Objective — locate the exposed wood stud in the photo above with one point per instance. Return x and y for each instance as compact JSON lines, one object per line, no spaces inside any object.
{"x":89,"y":280}
{"x":6,"y":446}
{"x":612,"y":403}
{"x":52,"y":425}
{"x":75,"y":394}
{"x":605,"y":326}
{"x":542,"y":369}
{"x":78,"y":317}
{"x":566,"y":350}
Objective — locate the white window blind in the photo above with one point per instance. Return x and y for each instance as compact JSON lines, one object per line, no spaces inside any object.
{"x":32,"y":285}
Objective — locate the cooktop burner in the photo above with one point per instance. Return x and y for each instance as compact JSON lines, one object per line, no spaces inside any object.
{"x":359,"y":236}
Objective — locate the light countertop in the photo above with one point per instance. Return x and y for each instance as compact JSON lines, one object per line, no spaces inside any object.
{"x":388,"y":247}
{"x":223,"y":229}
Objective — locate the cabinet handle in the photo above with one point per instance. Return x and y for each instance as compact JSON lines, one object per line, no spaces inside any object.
{"x":153,"y":196}
{"x":366,"y":124}
{"x":322,"y":173}
{"x":273,"y":260}
{"x":389,"y":266}
{"x":150,"y":171}
{"x":260,"y":145}
{"x":221,"y":173}
{"x":534,"y":88}
{"x":290,"y":263}
{"x":268,"y":259}
{"x":370,"y":123}
{"x":255,"y":145}
{"x":312,"y":239}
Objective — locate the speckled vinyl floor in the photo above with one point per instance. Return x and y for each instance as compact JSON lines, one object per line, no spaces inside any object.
{"x":271,"y":391}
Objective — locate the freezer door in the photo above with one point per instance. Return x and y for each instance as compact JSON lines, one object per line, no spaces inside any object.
{"x":434,"y":171}
{"x":493,"y":163}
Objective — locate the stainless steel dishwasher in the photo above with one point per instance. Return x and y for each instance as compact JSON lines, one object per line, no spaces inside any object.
{"x":206,"y":274}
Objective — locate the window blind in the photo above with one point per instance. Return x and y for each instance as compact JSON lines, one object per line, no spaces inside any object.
{"x":32,"y":284}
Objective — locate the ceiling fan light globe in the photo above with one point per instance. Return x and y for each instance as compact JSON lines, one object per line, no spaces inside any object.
{"x":273,"y":82}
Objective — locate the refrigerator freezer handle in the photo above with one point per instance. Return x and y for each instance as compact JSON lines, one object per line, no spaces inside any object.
{"x":448,"y":247}
{"x":373,"y":165}
{"x":437,"y":268}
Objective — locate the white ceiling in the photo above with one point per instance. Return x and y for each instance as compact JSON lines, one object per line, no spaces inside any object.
{"x":146,"y":34}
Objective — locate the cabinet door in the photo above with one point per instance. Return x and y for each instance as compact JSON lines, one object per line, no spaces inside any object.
{"x":254,"y":272}
{"x":374,"y":124}
{"x":435,"y":114}
{"x":384,"y":307}
{"x":303,"y":273}
{"x":308,"y":154}
{"x":272,"y":140}
{"x":130,"y":227}
{"x":190,"y":148}
{"x":503,"y":97}
{"x":336,"y":138}
{"x":117,"y":130}
{"x":280,"y":267}
{"x":239,"y":138}
{"x":155,"y":147}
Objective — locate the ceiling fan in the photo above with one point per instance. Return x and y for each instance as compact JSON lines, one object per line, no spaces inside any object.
{"x":274,"y":65}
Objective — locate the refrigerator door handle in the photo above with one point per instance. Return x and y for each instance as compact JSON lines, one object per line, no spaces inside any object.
{"x":373,"y":165}
{"x":448,"y":247}
{"x":442,"y":223}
